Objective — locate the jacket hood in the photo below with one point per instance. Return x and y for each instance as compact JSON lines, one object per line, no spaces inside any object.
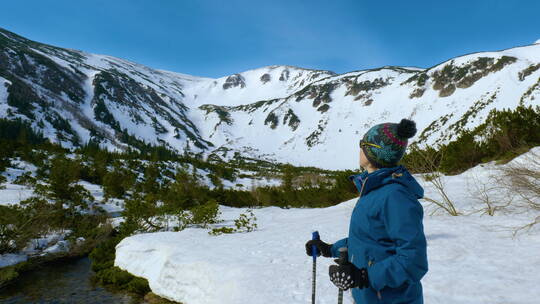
{"x":384,"y":176}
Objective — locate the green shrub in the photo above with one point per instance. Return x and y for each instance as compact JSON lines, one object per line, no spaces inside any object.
{"x":138,"y":285}
{"x":206,"y":214}
{"x":25,"y":179}
{"x":246,"y":222}
{"x":118,"y":181}
{"x":504,"y":135}
{"x":221,"y":230}
{"x":7,"y":274}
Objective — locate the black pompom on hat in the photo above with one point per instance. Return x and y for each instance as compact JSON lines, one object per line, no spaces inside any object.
{"x":406,"y":128}
{"x":384,"y":144}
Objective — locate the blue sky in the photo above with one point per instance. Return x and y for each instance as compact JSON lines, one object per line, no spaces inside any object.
{"x":222,"y":37}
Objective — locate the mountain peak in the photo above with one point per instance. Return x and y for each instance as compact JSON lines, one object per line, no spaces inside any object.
{"x":287,"y":67}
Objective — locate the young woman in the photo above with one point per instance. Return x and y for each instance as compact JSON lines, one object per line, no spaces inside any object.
{"x":386,"y":242}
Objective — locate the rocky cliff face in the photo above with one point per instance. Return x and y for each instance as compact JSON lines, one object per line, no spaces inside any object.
{"x":302,"y":116}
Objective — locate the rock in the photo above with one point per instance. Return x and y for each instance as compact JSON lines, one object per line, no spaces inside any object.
{"x":234,"y":81}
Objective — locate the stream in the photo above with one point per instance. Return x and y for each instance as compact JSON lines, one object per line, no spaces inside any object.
{"x":62,"y":282}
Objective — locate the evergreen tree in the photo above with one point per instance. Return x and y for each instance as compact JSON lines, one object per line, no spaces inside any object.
{"x":117,"y":181}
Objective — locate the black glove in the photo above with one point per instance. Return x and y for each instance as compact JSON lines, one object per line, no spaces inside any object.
{"x":347,"y":276}
{"x":322,"y":248}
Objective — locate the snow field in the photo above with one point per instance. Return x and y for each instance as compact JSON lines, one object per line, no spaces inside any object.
{"x":472,"y":258}
{"x":265,"y":266}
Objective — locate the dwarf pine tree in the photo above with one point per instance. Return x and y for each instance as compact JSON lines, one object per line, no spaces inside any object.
{"x":118,"y":180}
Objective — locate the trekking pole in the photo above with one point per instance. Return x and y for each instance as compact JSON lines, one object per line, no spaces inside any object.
{"x":314,"y":236}
{"x":343,"y":257}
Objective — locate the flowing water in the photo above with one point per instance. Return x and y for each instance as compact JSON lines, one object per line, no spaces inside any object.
{"x":61,"y":282}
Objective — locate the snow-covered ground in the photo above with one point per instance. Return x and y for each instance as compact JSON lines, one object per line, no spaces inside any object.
{"x":11,"y":193}
{"x":9,"y":259}
{"x":473,"y":258}
{"x":51,"y":243}
{"x":54,"y":242}
{"x":110,"y":205}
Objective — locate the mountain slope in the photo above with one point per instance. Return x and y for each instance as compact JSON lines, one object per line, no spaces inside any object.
{"x":320,"y":125}
{"x":306,"y":117}
{"x":74,"y":96}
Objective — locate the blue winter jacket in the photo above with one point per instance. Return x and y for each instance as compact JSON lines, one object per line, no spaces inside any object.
{"x":386,"y":236}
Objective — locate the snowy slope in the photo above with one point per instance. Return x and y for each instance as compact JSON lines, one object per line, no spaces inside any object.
{"x":329,"y":116}
{"x":3,"y":95}
{"x":290,"y":114}
{"x":472,"y":258}
{"x":105,"y":98}
{"x":254,"y":85}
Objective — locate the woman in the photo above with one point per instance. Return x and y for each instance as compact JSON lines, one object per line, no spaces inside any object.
{"x":386,"y":242}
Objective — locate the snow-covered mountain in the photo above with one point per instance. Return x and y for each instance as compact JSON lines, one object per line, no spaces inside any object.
{"x":301,"y":116}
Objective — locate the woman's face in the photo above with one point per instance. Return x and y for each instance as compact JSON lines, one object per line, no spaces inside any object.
{"x":364,"y":162}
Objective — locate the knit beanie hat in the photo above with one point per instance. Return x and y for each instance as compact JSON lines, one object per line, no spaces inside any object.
{"x":385,"y":144}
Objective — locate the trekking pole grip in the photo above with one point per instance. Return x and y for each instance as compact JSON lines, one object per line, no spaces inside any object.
{"x":343,"y":258}
{"x":314,"y":250}
{"x":343,"y":255}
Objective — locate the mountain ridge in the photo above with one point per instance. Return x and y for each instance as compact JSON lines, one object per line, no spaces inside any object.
{"x":286,"y":113}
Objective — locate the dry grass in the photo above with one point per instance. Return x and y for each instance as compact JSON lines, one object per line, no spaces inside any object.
{"x":430,"y":162}
{"x":491,"y":196}
{"x":522,"y":178}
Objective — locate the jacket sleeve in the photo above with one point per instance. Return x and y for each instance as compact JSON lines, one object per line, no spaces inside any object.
{"x":402,"y":215}
{"x":337,"y":245}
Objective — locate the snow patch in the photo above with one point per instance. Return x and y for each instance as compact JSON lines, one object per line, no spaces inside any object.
{"x":60,"y":246}
{"x":3,"y":96}
{"x":12,"y":194}
{"x":9,"y":259}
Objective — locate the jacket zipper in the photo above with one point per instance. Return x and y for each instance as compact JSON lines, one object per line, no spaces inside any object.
{"x":362,"y":189}
{"x":370,"y":262}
